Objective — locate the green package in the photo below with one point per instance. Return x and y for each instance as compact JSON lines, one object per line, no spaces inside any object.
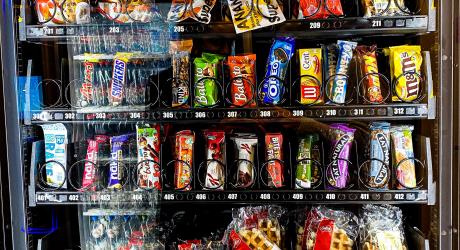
{"x":206,"y":90}
{"x":309,"y":148}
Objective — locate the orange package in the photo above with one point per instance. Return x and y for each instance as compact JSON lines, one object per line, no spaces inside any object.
{"x":184,"y":154}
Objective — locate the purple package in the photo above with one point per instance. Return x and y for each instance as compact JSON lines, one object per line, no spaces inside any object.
{"x":116,"y":156}
{"x":341,"y":140}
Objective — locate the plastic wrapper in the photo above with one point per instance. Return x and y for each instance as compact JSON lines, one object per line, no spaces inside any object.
{"x":367,"y":59}
{"x":309,"y":148}
{"x":215,"y":154}
{"x":338,"y":90}
{"x":55,"y":12}
{"x":250,"y":15}
{"x":405,"y":66}
{"x":117,"y":145}
{"x":180,"y":52}
{"x":337,"y":173}
{"x":183,"y":169}
{"x":243,"y":79}
{"x":314,"y":9}
{"x":324,"y":228}
{"x":259,"y":227}
{"x":374,"y":8}
{"x":245,"y":148}
{"x":277,"y":65}
{"x":403,"y":153}
{"x":330,"y":60}
{"x":380,"y":168}
{"x":128,"y":12}
{"x":381,"y":228}
{"x":92,"y":157}
{"x":311,"y":71}
{"x":274,"y":151}
{"x":206,"y":70}
{"x":148,"y":156}
{"x":119,"y":76}
{"x":198,"y":10}
{"x":56,"y":139}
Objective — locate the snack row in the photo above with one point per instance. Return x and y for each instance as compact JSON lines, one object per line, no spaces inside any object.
{"x":325,"y":77}
{"x":134,"y":160}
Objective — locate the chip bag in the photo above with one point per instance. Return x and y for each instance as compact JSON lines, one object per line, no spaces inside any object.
{"x":199,"y":10}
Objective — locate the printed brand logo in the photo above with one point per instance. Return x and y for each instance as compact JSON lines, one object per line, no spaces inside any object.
{"x":87,"y":87}
{"x":118,"y":78}
{"x":383,"y":171}
{"x":326,"y":229}
{"x":239,"y":95}
{"x":306,"y":61}
{"x":339,"y":146}
{"x":408,"y":67}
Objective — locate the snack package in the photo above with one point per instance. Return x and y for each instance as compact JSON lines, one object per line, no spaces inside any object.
{"x":381,"y":227}
{"x":309,"y":148}
{"x":243,"y":80}
{"x":215,"y":150}
{"x":87,"y":89}
{"x":198,"y":10}
{"x":277,"y":65}
{"x":128,"y":12}
{"x":405,"y":64}
{"x":148,"y":152}
{"x":274,"y":150}
{"x":330,"y":62}
{"x":374,"y":8}
{"x":92,"y":157}
{"x":338,"y":90}
{"x":180,"y":53}
{"x":117,"y":146}
{"x":119,"y":75}
{"x":185,"y":140}
{"x":206,"y":90}
{"x":367,"y":59}
{"x":337,"y":173}
{"x":402,"y":148}
{"x":55,"y":12}
{"x":245,"y":148}
{"x":324,"y":228}
{"x":56,"y":140}
{"x":379,"y":171}
{"x":256,"y":228}
{"x":311,"y":73}
{"x":250,"y":15}
{"x":314,"y":9}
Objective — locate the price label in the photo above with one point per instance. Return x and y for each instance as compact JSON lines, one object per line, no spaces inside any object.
{"x":74,"y":197}
{"x":169,"y":197}
{"x":135,"y":115}
{"x":69,"y":116}
{"x":315,"y":25}
{"x":265,"y":113}
{"x":356,"y":112}
{"x":297,"y":196}
{"x":137,"y":197}
{"x":297,"y":113}
{"x":331,"y":112}
{"x":232,"y":114}
{"x":232,"y":196}
{"x":399,"y":196}
{"x":105,"y":197}
{"x":330,"y":196}
{"x":398,"y":111}
{"x":168,"y":115}
{"x":364,"y":196}
{"x":265,"y":196}
{"x":200,"y":115}
{"x":101,"y":115}
{"x":200,"y":196}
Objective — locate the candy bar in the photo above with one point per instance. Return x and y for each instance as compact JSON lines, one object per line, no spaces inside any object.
{"x":369,"y":70}
{"x":379,"y":171}
{"x":405,"y":64}
{"x":311,"y":76}
{"x":243,"y":79}
{"x":118,"y":83}
{"x":338,"y":90}
{"x":56,"y":140}
{"x":92,"y":157}
{"x":246,"y":148}
{"x":180,"y":51}
{"x":148,"y":152}
{"x":314,"y":9}
{"x":215,"y":154}
{"x":374,"y":8}
{"x":116,"y":157}
{"x":330,"y":54}
{"x":274,"y":151}
{"x":403,"y":153}
{"x":337,"y":173}
{"x":184,"y":152}
{"x":277,"y":65}
{"x":206,"y":90}
{"x":309,"y":148}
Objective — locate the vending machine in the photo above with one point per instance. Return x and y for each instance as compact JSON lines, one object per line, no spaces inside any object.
{"x":229,"y":124}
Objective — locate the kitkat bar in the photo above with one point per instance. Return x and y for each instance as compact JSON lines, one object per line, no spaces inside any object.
{"x":274,"y":152}
{"x":215,"y":156}
{"x":148,"y":156}
{"x":242,"y":79}
{"x":92,"y":157}
{"x":183,"y":168}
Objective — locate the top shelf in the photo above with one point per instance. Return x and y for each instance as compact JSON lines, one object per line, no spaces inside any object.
{"x":334,"y":27}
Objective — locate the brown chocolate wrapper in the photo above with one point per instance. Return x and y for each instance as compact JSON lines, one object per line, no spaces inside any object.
{"x":367,"y":59}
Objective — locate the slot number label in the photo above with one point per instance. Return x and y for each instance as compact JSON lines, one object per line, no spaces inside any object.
{"x":330,"y":196}
{"x":297,"y":113}
{"x":136,"y":197}
{"x":376,"y":23}
{"x":331,"y":112}
{"x":168,"y":115}
{"x":356,"y":112}
{"x":232,"y":196}
{"x":297,"y":196}
{"x":69,"y":116}
{"x":200,"y":197}
{"x":399,"y":111}
{"x":168,"y":197}
{"x":399,"y":197}
{"x":179,"y":29}
{"x":315,"y":25}
{"x":100,"y":116}
{"x":135,"y":115}
{"x":265,"y":114}
{"x":232,"y":114}
{"x":73,"y":197}
{"x":200,"y":115}
{"x":105,"y":197}
{"x":364,"y":196}
{"x":114,"y":29}
{"x":265,"y":196}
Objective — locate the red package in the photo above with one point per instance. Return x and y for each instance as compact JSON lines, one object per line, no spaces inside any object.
{"x":243,"y":79}
{"x":189,"y":245}
{"x":314,"y":9}
{"x":274,"y":150}
{"x":89,"y":172}
{"x":236,"y":243}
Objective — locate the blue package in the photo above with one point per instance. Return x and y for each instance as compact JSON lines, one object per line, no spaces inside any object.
{"x":30,"y":98}
{"x":338,"y":92}
{"x":277,"y":65}
{"x":379,"y":171}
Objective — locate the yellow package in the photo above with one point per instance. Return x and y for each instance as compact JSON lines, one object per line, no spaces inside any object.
{"x":404,"y":60}
{"x":311,"y":73}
